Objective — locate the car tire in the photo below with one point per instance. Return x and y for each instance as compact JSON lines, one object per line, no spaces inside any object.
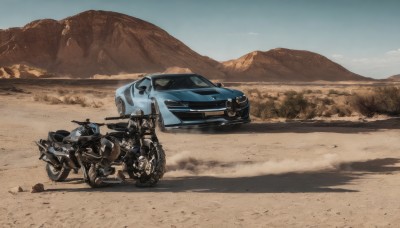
{"x":159,"y":120}
{"x":120,"y":107}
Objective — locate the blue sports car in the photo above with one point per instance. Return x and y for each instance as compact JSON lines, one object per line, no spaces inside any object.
{"x":183,"y":100}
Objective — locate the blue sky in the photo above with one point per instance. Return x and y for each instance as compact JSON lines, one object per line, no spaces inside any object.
{"x":362,"y":35}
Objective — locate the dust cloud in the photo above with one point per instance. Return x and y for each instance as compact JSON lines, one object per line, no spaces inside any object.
{"x":184,"y":164}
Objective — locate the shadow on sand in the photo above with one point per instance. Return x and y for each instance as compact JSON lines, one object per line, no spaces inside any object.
{"x":307,"y":126}
{"x":311,"y":182}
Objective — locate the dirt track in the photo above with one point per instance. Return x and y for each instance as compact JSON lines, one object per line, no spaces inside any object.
{"x":295,"y":174}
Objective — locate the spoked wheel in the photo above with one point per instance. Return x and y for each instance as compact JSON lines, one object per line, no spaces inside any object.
{"x":57,"y":174}
{"x":156,"y":170}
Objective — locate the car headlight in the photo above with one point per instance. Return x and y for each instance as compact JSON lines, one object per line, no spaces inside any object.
{"x":175,"y":104}
{"x":241,"y":99}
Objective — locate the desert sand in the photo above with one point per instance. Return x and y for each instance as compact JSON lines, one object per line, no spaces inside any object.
{"x":265,"y":174}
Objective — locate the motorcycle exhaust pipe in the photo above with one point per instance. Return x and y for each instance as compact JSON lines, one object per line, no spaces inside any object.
{"x":47,"y":156}
{"x":65,"y":156}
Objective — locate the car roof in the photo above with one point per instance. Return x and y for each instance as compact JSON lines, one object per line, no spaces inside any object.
{"x":154,"y":76}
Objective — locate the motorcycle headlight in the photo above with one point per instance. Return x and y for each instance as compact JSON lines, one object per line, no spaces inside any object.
{"x":241,"y":100}
{"x":175,"y":104}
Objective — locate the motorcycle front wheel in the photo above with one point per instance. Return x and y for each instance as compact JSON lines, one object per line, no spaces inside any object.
{"x":57,"y":174}
{"x":158,"y":170}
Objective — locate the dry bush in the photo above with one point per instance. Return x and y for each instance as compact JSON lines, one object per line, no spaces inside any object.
{"x":327,"y":101}
{"x":385,"y":100}
{"x":264,"y":109}
{"x":62,"y":92}
{"x":337,"y":92}
{"x":255,"y":91}
{"x":69,"y":100}
{"x":75,"y":100}
{"x":46,"y":98}
{"x":293,"y":105}
{"x":333,"y":91}
{"x":98,"y":104}
{"x":341,"y":111}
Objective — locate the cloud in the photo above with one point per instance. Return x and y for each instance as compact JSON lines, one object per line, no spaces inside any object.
{"x":393,"y":52}
{"x":337,"y":56}
{"x":379,"y":66}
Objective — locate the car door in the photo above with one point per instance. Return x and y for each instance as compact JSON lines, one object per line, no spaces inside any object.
{"x":141,"y":97}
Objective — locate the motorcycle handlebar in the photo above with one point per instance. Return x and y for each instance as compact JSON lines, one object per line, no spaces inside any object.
{"x":87,"y":122}
{"x":118,"y":117}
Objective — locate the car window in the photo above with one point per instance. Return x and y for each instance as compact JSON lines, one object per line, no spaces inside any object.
{"x":198,"y":82}
{"x":144,"y":82}
{"x":181,"y":82}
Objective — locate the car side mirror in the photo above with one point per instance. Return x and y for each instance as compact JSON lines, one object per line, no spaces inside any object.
{"x":219,"y":84}
{"x":142,"y":89}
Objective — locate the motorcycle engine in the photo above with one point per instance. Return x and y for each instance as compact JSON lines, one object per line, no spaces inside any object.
{"x":109,"y":150}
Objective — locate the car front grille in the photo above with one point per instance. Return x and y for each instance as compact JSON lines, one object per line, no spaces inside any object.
{"x":207,"y":105}
{"x":191,"y":116}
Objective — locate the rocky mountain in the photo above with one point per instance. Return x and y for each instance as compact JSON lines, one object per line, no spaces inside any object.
{"x":108,"y":43}
{"x":282,"y":64}
{"x":23,"y":71}
{"x":99,"y":42}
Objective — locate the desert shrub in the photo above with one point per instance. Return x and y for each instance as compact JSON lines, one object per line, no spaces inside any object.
{"x":69,"y":100}
{"x":290,"y":93}
{"x":327,"y":101}
{"x":269,"y":110}
{"x":337,"y":92}
{"x":264,"y":109}
{"x":385,"y":100}
{"x":333,"y":91}
{"x":255,"y":91}
{"x":46,"y":98}
{"x":341,"y":111}
{"x":98,"y":104}
{"x":293,"y":104}
{"x":75,"y":100}
{"x":62,"y":92}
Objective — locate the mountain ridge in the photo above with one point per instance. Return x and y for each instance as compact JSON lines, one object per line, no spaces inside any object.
{"x":107,"y":43}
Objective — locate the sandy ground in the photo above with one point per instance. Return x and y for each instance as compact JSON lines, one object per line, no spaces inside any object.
{"x":294,"y":174}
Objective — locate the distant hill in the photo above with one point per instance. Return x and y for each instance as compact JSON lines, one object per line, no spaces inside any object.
{"x":99,"y":42}
{"x":394,"y":78}
{"x":109,"y":43}
{"x":287,"y":65}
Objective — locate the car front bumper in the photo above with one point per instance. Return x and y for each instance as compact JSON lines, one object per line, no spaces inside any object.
{"x":201,"y":118}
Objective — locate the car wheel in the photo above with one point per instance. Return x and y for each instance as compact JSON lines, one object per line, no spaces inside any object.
{"x":159,"y":120}
{"x":120,"y":107}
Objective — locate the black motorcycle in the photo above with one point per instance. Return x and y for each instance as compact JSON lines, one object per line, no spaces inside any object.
{"x":142,"y":155}
{"x":83,"y":148}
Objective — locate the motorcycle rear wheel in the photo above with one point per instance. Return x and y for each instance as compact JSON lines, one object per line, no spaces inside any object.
{"x":55,"y":174}
{"x":92,"y":174}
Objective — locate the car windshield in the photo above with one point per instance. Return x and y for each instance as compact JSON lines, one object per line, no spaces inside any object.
{"x":171,"y":82}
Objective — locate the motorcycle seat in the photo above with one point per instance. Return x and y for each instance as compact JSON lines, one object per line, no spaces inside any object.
{"x":118,"y":126}
{"x":57,"y":136}
{"x":80,"y":139}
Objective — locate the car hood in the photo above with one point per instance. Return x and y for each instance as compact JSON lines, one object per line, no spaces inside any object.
{"x":208,"y":94}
